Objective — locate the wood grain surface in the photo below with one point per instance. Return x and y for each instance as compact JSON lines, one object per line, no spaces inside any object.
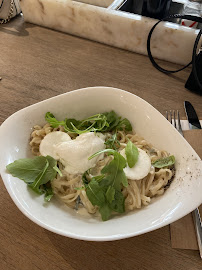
{"x":38,"y":63}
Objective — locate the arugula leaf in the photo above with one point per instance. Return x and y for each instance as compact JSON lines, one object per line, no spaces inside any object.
{"x":50,"y":118}
{"x":164,"y":162}
{"x":27,"y":169}
{"x":106,"y":192}
{"x":110,"y":194}
{"x":112,"y":142}
{"x":57,"y":170}
{"x":99,"y":122}
{"x":95,"y":193}
{"x":70,"y":124}
{"x":48,"y":174}
{"x":112,"y":119}
{"x":47,"y":189}
{"x":47,"y":196}
{"x":98,"y":178}
{"x":118,"y":204}
{"x":132,"y":154}
{"x":105,"y":212}
{"x":124,"y":125}
{"x":37,"y":183}
{"x":51,"y":172}
{"x":36,"y":172}
{"x":116,"y":123}
{"x":94,"y":123}
{"x":114,"y":171}
{"x":124,"y":180}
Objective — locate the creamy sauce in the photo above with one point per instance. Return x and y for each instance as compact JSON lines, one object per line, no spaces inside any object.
{"x":73,"y":154}
{"x":47,"y":145}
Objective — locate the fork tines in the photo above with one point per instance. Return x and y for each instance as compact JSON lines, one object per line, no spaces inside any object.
{"x":174,"y":118}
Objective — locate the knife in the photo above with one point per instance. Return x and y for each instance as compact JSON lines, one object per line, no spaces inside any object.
{"x":192,"y":116}
{"x":195,"y":124}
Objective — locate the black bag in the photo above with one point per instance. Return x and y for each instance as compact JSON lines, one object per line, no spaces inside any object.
{"x":195,"y":78}
{"x":194,"y":82}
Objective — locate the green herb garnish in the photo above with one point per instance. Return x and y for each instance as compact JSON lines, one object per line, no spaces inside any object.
{"x":105,"y":190}
{"x":36,"y":173}
{"x":27,"y":169}
{"x":124,"y":125}
{"x":100,"y":122}
{"x":47,"y":189}
{"x":57,"y":170}
{"x":164,"y":162}
{"x":50,"y":118}
{"x":115,"y":122}
{"x":132,"y":154}
{"x":112,"y":142}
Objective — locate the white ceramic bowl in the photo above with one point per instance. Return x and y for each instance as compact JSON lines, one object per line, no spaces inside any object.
{"x":181,"y":198}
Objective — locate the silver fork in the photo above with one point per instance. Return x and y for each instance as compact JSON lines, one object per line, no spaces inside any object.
{"x":174,"y":119}
{"x":175,"y":122}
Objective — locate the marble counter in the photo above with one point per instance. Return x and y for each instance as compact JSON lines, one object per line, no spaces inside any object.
{"x":99,"y":3}
{"x":170,"y":41}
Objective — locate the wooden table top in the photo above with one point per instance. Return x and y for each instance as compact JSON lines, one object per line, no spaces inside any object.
{"x":38,"y":63}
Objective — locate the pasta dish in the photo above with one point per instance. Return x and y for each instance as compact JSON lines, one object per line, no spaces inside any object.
{"x":101,"y":169}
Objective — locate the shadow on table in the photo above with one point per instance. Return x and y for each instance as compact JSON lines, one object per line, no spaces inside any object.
{"x":16,"y":27}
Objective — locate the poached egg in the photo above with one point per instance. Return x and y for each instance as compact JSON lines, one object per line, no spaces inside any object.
{"x":140,"y":169}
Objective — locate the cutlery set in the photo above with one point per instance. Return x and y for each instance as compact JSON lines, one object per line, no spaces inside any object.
{"x":194,"y":123}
